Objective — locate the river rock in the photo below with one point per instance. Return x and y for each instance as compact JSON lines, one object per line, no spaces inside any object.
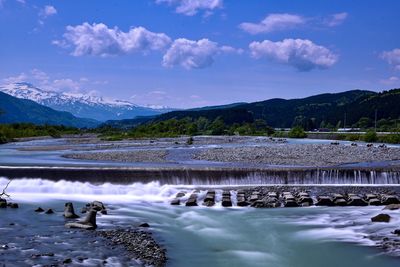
{"x":95,"y":205}
{"x":3,"y":203}
{"x":397,"y":232}
{"x":144,"y":225}
{"x":49,"y":211}
{"x":69,"y":212}
{"x":39,"y":209}
{"x":381,"y":218}
{"x":192,"y":201}
{"x":176,"y":201}
{"x":89,"y":223}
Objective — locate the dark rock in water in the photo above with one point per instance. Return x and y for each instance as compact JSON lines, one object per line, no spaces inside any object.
{"x":49,"y":211}
{"x":3,"y":203}
{"x":144,"y":225}
{"x":324,"y":201}
{"x":356,"y":201}
{"x":69,"y":211}
{"x":390,"y":199}
{"x":381,"y":218}
{"x":39,"y":209}
{"x":139,"y":244}
{"x":95,"y":205}
{"x":290,"y":203}
{"x":104,"y":212}
{"x":226,"y":202}
{"x":176,"y":201}
{"x":192,"y":201}
{"x":374,"y":202}
{"x":89,"y":223}
{"x":67,"y":261}
{"x":396,"y":232}
{"x":4,"y":247}
{"x":209,"y":200}
{"x":340,"y":202}
{"x":392,"y":207}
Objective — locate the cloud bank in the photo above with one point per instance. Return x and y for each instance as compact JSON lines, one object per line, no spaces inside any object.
{"x":100,"y":40}
{"x":191,"y":54}
{"x":301,"y":54}
{"x":273,"y":22}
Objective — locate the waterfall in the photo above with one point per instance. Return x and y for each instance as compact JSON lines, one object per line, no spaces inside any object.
{"x":207,"y":176}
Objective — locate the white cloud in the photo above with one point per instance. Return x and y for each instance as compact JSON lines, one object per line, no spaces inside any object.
{"x":194,"y":54}
{"x":46,"y":12}
{"x":336,"y":19}
{"x":192,"y":7}
{"x":392,"y":57}
{"x":304,"y":55}
{"x":99,"y":40}
{"x":273,"y":22}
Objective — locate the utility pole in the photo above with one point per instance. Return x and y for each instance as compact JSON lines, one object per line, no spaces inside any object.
{"x":376,"y":114}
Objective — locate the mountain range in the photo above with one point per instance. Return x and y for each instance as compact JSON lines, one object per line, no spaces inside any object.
{"x":81,"y":105}
{"x":318,"y":111}
{"x":13,"y":110}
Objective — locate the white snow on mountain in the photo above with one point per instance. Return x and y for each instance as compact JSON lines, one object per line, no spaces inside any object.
{"x":81,"y":105}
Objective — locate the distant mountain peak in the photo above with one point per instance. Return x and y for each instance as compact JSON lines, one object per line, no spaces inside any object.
{"x":81,"y":105}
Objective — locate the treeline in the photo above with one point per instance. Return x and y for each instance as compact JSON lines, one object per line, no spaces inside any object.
{"x":8,"y":132}
{"x":189,"y":126}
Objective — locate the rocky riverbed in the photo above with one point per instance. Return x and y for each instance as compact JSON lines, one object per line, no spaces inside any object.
{"x":122,"y":156}
{"x":315,"y":155}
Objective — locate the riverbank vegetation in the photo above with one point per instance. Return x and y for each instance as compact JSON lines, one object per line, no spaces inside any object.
{"x":9,"y":132}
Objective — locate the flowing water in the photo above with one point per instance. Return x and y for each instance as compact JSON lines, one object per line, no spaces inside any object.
{"x":193,"y":236}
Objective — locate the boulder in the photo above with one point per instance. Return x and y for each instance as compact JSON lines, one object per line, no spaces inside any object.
{"x":381,"y":218}
{"x":176,"y":201}
{"x":69,"y":212}
{"x":192,"y":201}
{"x":95,"y":205}
{"x":324,"y":201}
{"x":49,"y":211}
{"x":144,"y":225}
{"x":39,"y":209}
{"x":396,"y":232}
{"x":89,"y":223}
{"x":356,"y":201}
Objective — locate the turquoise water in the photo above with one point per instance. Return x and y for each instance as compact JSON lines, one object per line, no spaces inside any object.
{"x":200,"y":236}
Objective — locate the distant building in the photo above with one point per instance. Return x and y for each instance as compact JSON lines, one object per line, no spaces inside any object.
{"x":348,"y":129}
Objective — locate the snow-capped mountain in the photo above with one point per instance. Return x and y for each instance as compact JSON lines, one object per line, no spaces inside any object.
{"x":80,"y":105}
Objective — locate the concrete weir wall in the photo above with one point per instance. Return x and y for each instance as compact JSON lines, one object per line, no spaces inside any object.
{"x":206,"y":176}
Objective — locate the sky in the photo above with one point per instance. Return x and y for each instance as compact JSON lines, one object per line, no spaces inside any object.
{"x":191,"y":53}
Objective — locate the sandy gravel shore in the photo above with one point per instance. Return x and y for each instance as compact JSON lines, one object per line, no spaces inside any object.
{"x":302,"y":154}
{"x":122,"y":156}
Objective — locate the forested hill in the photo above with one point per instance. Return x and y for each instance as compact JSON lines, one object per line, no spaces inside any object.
{"x":15,"y":110}
{"x":319,"y":111}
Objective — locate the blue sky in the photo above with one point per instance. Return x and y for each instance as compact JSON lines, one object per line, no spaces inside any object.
{"x":188,"y":53}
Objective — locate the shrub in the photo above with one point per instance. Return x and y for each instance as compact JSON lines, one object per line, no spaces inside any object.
{"x":370,"y":136}
{"x":297,"y":132}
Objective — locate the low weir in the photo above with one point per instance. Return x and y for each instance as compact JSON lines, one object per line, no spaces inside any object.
{"x":208,"y":175}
